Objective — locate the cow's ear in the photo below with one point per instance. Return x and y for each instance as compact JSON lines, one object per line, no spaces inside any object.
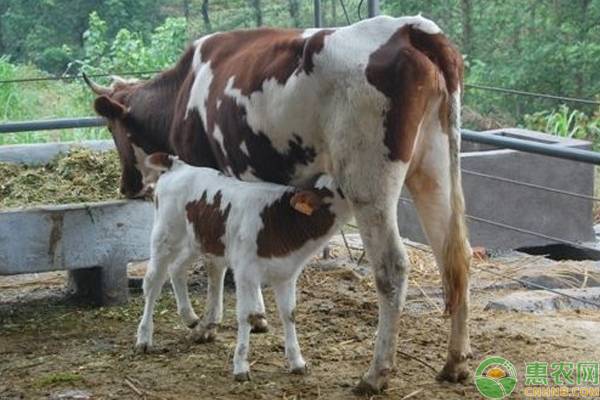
{"x":109,"y":108}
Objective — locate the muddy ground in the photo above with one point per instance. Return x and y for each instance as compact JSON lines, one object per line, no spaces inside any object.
{"x":50,"y":347}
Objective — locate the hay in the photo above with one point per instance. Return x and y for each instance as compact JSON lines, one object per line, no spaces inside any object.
{"x":81,"y":175}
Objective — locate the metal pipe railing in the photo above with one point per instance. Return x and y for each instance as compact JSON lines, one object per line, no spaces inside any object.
{"x":567,"y":153}
{"x":49,"y":124}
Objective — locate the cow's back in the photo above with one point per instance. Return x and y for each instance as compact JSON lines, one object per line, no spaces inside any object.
{"x":270,"y":98}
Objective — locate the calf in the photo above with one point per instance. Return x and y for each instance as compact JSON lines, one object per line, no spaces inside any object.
{"x":265,"y":232}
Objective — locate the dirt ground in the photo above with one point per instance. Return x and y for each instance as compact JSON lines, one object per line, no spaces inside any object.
{"x":49,"y":346}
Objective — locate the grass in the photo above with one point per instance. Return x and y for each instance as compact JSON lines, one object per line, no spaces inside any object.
{"x":63,"y":135}
{"x":57,"y":378}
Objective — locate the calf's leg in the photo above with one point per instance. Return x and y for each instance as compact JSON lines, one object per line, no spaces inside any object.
{"x":178,"y":273}
{"x":155,"y":277}
{"x":207,"y":330}
{"x":248,"y":309}
{"x":285,"y":295}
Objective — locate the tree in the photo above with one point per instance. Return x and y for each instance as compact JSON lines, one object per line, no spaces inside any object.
{"x":258,"y":17}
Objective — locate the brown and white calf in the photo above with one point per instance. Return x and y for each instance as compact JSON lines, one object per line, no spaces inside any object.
{"x":375,"y":104}
{"x":265,"y":232}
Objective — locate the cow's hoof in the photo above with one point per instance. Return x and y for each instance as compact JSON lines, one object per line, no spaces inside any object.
{"x":455,"y":373}
{"x":204,"y":334}
{"x":302,"y":370}
{"x":242,"y":376}
{"x":260,"y":325}
{"x":194,"y":323}
{"x":142,"y":348}
{"x":365,"y":388}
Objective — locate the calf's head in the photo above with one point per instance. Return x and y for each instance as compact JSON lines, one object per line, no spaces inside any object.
{"x":125,"y":109}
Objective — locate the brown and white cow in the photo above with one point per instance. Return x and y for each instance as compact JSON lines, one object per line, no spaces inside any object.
{"x":374,"y":104}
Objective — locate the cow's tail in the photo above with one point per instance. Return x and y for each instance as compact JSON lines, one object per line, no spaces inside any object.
{"x":160,"y":161}
{"x":457,"y":251}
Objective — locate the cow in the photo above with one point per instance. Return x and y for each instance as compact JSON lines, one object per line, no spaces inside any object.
{"x":375,"y":104}
{"x":266,"y":232}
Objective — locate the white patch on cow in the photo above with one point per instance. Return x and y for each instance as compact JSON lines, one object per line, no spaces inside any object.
{"x":309,"y":32}
{"x":244,"y":149}
{"x":197,"y":60}
{"x":200,"y":90}
{"x":218,"y":136}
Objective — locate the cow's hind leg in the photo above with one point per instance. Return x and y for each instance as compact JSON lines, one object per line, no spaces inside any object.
{"x":372,"y":184}
{"x":430,"y":187}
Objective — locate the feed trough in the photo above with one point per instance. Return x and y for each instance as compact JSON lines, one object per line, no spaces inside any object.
{"x":92,"y":241}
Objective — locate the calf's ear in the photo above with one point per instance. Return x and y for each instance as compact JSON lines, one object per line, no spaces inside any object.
{"x":306,"y":202}
{"x":109,"y":108}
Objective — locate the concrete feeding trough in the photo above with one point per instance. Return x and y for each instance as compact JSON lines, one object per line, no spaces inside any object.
{"x":92,"y":241}
{"x":555,"y":215}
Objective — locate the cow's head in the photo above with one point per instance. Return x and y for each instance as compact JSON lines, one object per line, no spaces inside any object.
{"x":122,"y":104}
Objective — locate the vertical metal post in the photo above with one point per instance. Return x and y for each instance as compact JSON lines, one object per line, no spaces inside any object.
{"x":318,"y":16}
{"x":373,"y":8}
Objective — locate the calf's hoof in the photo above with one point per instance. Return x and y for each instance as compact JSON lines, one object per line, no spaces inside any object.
{"x":242,"y":376}
{"x":259,"y":325}
{"x":204,"y":334}
{"x":301,"y":370}
{"x":455,"y":373}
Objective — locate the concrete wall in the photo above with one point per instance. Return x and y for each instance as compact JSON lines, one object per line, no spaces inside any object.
{"x":42,"y":153}
{"x":553,"y":214}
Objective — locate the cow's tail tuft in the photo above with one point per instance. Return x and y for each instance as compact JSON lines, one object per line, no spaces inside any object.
{"x":457,"y":251}
{"x":160,"y":161}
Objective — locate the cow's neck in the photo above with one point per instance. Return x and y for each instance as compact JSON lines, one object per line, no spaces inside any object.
{"x":158,"y":98}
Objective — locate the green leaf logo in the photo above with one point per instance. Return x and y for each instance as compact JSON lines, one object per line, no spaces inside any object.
{"x":496,"y":378}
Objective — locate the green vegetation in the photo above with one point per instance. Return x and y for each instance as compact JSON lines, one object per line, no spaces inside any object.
{"x":540,"y":46}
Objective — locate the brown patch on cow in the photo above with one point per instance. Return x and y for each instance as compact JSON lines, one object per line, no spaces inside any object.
{"x":251,"y":57}
{"x":407,"y":69}
{"x":443,"y":54}
{"x":209,"y":222}
{"x":314,"y":45}
{"x":285,"y":230}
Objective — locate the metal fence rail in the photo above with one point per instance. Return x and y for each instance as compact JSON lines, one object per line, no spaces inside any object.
{"x":586,"y":156}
